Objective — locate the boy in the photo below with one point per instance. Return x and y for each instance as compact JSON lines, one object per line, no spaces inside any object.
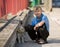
{"x":38,"y":30}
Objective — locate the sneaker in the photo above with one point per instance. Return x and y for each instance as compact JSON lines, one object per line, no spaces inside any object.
{"x":41,"y":41}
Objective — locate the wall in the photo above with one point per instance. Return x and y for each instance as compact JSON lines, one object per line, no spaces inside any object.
{"x":12,"y":6}
{"x":2,"y":8}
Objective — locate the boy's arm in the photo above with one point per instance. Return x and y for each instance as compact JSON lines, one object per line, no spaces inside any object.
{"x":41,"y":23}
{"x":44,"y":20}
{"x":33,"y":22}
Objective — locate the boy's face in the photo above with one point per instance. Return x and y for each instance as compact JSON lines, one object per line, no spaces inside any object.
{"x":38,"y":12}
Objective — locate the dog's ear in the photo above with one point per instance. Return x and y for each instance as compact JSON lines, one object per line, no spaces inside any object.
{"x":25,"y":27}
{"x":28,"y":28}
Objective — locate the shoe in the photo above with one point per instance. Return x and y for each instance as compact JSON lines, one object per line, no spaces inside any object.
{"x":41,"y":41}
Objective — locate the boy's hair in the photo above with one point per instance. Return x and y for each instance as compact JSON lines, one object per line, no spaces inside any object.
{"x":37,"y":8}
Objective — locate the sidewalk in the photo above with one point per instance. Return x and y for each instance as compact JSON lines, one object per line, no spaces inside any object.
{"x":54,"y":21}
{"x":54,"y":38}
{"x":55,"y":15}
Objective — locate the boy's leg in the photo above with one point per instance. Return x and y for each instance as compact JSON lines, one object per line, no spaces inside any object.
{"x":43,"y":33}
{"x":31,"y":31}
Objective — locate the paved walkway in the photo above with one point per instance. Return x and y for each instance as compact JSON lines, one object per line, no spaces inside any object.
{"x":54,"y":19}
{"x":55,"y":15}
{"x":54,"y":38}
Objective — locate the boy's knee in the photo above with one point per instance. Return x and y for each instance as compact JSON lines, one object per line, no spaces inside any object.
{"x":43,"y":32}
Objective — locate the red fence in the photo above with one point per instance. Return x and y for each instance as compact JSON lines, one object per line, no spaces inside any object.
{"x":12,"y":6}
{"x":2,"y":8}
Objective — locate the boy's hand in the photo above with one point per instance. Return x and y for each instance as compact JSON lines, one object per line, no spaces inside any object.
{"x":36,"y":26}
{"x":39,"y":24}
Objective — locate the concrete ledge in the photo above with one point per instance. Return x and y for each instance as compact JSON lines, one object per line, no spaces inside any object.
{"x":8,"y":33}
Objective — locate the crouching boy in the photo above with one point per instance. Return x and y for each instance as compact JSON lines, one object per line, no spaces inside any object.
{"x":39,"y":28}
